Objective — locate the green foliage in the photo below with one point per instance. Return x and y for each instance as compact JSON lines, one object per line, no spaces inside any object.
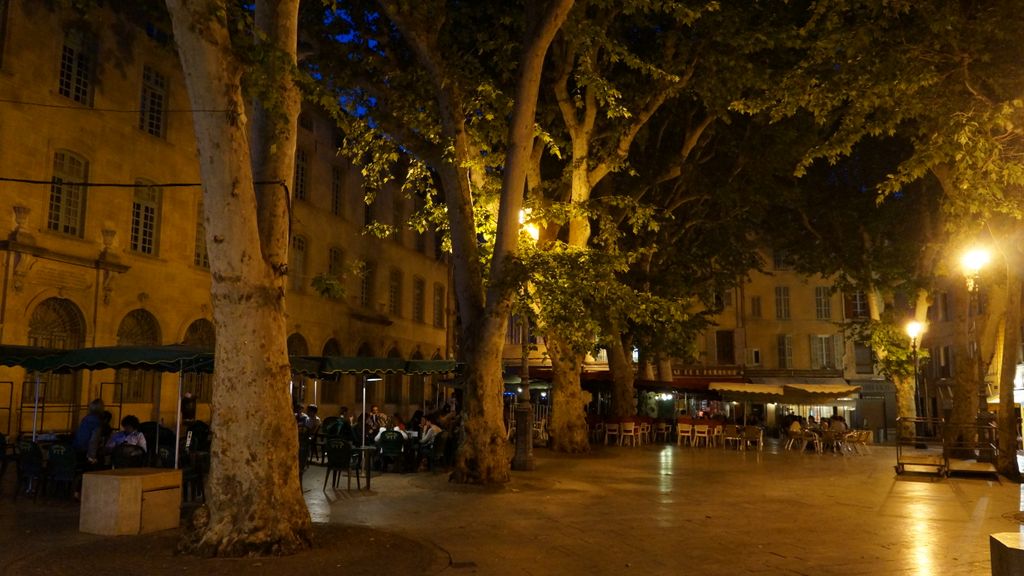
{"x":893,"y":353}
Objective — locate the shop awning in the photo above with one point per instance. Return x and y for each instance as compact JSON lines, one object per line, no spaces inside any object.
{"x":747,"y":391}
{"x":829,"y":390}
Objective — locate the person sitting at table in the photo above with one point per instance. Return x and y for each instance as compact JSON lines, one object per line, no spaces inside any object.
{"x":129,"y":434}
{"x":340,"y":427}
{"x":92,"y":421}
{"x":99,"y":439}
{"x":415,"y":423}
{"x":838,"y":425}
{"x":390,"y":427}
{"x":430,"y":430}
{"x":312,"y":423}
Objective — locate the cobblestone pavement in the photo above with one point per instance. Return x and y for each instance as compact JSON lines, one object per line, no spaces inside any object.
{"x":658,"y":509}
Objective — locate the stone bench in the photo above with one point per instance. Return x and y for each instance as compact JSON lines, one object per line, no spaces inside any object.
{"x":130,"y":501}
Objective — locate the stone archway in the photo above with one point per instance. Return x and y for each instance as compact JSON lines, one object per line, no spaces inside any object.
{"x":56,"y":323}
{"x":137,"y":328}
{"x":199,"y":334}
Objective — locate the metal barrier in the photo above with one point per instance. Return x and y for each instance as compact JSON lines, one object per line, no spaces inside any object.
{"x":919,"y":443}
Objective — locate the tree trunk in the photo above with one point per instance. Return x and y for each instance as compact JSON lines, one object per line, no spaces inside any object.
{"x":621,"y":366}
{"x":253,"y":492}
{"x":568,"y":426}
{"x":484,"y":452}
{"x":1007,"y":420}
{"x":965,"y":372}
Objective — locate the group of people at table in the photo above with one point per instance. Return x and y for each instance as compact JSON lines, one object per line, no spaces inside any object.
{"x":374,"y":429}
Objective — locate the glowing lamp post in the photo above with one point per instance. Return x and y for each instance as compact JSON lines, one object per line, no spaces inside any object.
{"x":973,"y":261}
{"x":522,"y":459}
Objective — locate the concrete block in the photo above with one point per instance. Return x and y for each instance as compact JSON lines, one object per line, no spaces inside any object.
{"x":1007,"y":553}
{"x":130,"y":501}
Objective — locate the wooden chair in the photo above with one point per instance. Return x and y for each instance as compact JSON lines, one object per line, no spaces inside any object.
{"x":684,"y":432}
{"x":701,"y":432}
{"x":628,"y":430}
{"x":643,"y":433}
{"x":611,"y":429}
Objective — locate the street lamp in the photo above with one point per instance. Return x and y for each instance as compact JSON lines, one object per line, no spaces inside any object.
{"x":522,"y":459}
{"x":914,"y":329}
{"x":973,"y":261}
{"x":362,"y":423}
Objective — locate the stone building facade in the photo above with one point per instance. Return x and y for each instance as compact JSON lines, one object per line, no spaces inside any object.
{"x":104,"y":244}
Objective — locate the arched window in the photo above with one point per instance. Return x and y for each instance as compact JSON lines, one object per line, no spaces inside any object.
{"x":330,"y":389}
{"x":199,"y":334}
{"x":393,"y":382}
{"x":138,"y":328}
{"x":416,"y":382}
{"x":56,"y":323}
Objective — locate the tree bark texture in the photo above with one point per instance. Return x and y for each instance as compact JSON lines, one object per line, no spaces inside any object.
{"x":1007,"y":419}
{"x":568,"y":426}
{"x":253,"y":492}
{"x":621,"y":367}
{"x":484,"y":454}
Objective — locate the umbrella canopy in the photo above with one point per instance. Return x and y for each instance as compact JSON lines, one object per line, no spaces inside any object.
{"x":361,"y":365}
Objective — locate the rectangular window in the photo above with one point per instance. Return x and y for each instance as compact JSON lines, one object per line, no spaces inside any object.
{"x":335,"y":262}
{"x":67,"y":194}
{"x":782,"y":303}
{"x":301,"y":185}
{"x":368,"y":217}
{"x":823,"y":303}
{"x":725,"y":350}
{"x":785,"y":350}
{"x":514,"y":332}
{"x":145,"y":219}
{"x":781,"y":260}
{"x":942,"y":299}
{"x":297,"y":264}
{"x":857,"y":305}
{"x":755,"y":307}
{"x":419,"y":300}
{"x":337,"y":191}
{"x":366,"y":286}
{"x":398,"y":216}
{"x":863,"y":359}
{"x":152,"y":111}
{"x":200,"y":257}
{"x":439,"y":306}
{"x":395,"y":293}
{"x":945,"y":364}
{"x":76,"y":68}
{"x":755,"y":356}
{"x":823,"y":352}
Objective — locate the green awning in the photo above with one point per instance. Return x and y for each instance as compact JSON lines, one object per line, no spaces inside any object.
{"x":173,"y":358}
{"x":11,"y":355}
{"x":429,"y":366}
{"x":361,"y":365}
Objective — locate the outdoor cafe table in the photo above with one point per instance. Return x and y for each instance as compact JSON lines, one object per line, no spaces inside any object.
{"x":366,"y":460}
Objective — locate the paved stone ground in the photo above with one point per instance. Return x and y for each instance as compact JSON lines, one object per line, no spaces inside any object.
{"x":652,"y":510}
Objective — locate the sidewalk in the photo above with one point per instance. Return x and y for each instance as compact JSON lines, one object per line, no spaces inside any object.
{"x":652,"y":510}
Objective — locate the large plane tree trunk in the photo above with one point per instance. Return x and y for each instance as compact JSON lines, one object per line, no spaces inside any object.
{"x":253,"y":492}
{"x":568,"y":426}
{"x":620,"y":364}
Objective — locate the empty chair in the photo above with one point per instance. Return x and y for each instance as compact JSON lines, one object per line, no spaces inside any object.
{"x":731,"y":435}
{"x":391,"y":449}
{"x":701,"y":433}
{"x":611,"y":430}
{"x":30,"y":468}
{"x":61,"y":470}
{"x":643,"y":432}
{"x":340,"y":458}
{"x":684,"y":433}
{"x":628,"y":430}
{"x":753,"y":436}
{"x":662,"y":429}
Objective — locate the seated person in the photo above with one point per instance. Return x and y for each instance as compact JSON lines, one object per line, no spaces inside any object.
{"x":430,"y":431}
{"x":390,"y":427}
{"x":129,"y":434}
